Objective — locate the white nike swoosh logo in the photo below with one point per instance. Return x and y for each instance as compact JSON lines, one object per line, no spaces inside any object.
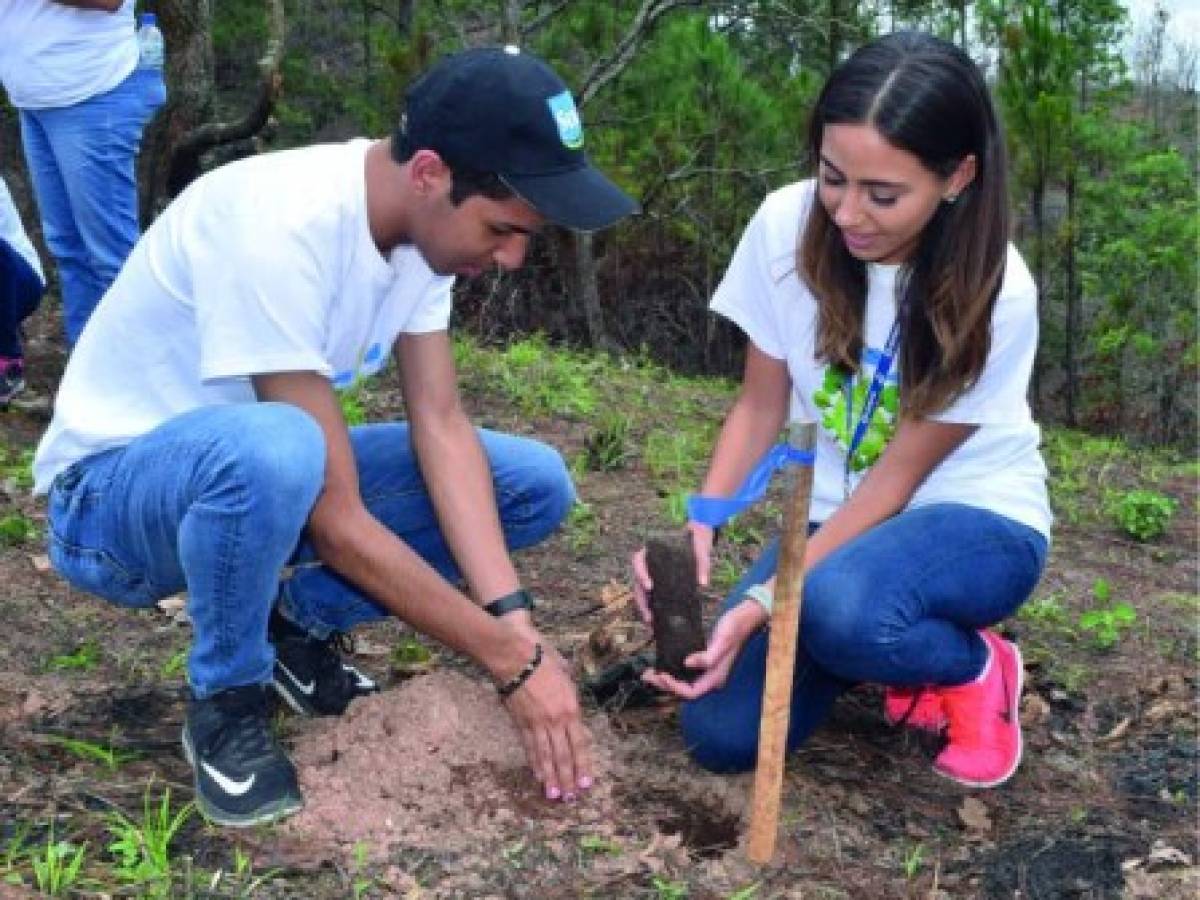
{"x":305,"y":687}
{"x":362,"y":682}
{"x":227,"y":784}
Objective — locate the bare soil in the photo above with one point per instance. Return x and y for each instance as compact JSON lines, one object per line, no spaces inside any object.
{"x":422,"y":790}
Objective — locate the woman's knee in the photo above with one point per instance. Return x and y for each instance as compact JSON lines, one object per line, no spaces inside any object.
{"x":714,"y":742}
{"x":835,"y":615}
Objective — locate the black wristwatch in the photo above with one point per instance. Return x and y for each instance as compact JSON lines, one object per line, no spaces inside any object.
{"x":518,"y":599}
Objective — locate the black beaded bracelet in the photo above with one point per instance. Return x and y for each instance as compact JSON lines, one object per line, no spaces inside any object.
{"x":514,"y":684}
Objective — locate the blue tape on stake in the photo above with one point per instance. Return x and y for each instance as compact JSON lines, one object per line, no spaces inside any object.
{"x":716,"y":511}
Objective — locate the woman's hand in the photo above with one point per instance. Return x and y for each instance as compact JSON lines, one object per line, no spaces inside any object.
{"x":702,"y":543}
{"x":717,"y":659}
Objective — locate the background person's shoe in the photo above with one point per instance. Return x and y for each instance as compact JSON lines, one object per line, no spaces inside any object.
{"x":12,"y":379}
{"x":984,"y":731}
{"x":310,"y":674}
{"x":918,"y":707}
{"x":242,"y":775}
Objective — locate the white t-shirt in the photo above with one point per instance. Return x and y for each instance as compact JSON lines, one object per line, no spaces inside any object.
{"x":264,"y":265}
{"x":53,"y":55}
{"x":13,"y":232}
{"x":998,"y":468}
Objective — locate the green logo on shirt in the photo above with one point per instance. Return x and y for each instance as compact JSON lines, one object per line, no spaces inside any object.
{"x":830,"y":399}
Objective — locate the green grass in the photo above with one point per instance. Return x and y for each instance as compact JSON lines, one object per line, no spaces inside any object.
{"x":141,"y":849}
{"x":108,"y":755}
{"x":82,"y":658}
{"x":17,"y":529}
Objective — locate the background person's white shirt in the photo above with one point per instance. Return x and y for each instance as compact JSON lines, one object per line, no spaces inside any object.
{"x":998,"y":468}
{"x":263,"y":265}
{"x":13,"y":232}
{"x":53,"y":55}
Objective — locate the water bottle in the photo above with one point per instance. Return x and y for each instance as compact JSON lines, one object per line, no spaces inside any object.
{"x":150,"y":42}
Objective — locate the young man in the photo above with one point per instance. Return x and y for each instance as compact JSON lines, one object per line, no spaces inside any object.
{"x":71,"y":69}
{"x":198,"y":443}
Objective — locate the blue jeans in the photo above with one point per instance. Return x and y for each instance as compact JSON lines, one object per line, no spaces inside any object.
{"x":83,"y":163}
{"x":900,"y":605}
{"x":215,"y":502}
{"x":20,"y":291}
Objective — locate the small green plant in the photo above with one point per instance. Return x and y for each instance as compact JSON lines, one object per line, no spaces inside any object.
{"x":14,"y":847}
{"x":665,"y":889}
{"x":1046,"y":610}
{"x":596,"y":845}
{"x":361,"y":881}
{"x":176,"y":664}
{"x":143,"y":849}
{"x":607,"y":447}
{"x":1107,"y":621}
{"x":1143,"y":515}
{"x":17,"y":529}
{"x":83,"y":657}
{"x":16,"y":468}
{"x":676,"y":455}
{"x":410,"y":656}
{"x":581,"y":526}
{"x":913,"y":858}
{"x":109,"y":756}
{"x":675,"y":506}
{"x":351,"y":402}
{"x":544,"y":381}
{"x":749,"y":892}
{"x":56,"y":866}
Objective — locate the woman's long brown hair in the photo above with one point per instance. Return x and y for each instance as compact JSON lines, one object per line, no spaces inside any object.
{"x":926,"y":97}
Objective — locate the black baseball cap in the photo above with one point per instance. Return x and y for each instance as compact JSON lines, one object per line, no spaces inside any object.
{"x":501,"y":110}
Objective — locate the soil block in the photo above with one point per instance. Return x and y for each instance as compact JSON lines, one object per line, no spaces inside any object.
{"x":674,"y":603}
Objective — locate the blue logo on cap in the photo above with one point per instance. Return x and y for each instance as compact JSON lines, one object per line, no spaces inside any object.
{"x":566,"y":117}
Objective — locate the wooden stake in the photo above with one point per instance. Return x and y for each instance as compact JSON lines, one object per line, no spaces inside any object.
{"x":781,"y":652}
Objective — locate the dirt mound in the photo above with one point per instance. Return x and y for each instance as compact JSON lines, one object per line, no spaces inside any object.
{"x":434,"y":764}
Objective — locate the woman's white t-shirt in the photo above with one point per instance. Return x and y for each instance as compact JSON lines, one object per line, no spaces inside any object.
{"x":999,"y":468}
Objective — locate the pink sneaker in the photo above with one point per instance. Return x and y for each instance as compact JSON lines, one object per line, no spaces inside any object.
{"x":984,"y":746}
{"x":919,"y":707}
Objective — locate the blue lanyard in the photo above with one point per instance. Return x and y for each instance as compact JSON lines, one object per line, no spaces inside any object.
{"x":871,"y":401}
{"x":716,"y":511}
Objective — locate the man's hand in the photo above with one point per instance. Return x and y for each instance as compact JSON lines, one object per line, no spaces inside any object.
{"x":549,"y":721}
{"x":717,"y":659}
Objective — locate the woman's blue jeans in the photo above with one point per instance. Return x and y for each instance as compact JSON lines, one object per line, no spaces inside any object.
{"x":215,"y":502}
{"x":83,"y":163}
{"x":900,"y":605}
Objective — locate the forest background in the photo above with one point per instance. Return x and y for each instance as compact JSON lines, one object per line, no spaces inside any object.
{"x":698,"y":110}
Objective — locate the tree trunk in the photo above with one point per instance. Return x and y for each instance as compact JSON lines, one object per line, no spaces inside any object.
{"x":1072,"y":319}
{"x":187,"y":32}
{"x":586,"y":289}
{"x":1037,"y":193}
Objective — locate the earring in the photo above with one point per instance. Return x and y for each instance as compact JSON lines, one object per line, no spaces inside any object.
{"x":950,"y":198}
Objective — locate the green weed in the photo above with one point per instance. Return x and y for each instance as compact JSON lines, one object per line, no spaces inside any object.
{"x":352,"y":403}
{"x":1143,"y":515}
{"x":582,"y":526}
{"x":749,"y":892}
{"x":675,"y":506}
{"x":547,"y":382}
{"x":361,"y":881}
{"x":56,"y":866}
{"x":111,"y":757}
{"x":16,"y":467}
{"x":607,"y":446}
{"x":83,"y":657}
{"x":677,"y":456}
{"x":1107,"y":621}
{"x":596,"y":845}
{"x":913,"y":858}
{"x":14,"y":847}
{"x":175,"y":665}
{"x":410,"y":654}
{"x":143,"y":849}
{"x":17,"y":529}
{"x":1046,"y":610}
{"x":665,"y":889}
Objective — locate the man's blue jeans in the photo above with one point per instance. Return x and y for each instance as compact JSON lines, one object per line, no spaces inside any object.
{"x":83,"y":163}
{"x":215,"y":502}
{"x":899,"y":605}
{"x":20,"y":292}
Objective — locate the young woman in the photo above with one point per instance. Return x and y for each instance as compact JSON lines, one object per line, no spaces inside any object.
{"x":884,"y":300}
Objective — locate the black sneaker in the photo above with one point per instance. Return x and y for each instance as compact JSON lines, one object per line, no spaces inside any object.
{"x":12,"y":381}
{"x":310,"y":674}
{"x":243,"y":777}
